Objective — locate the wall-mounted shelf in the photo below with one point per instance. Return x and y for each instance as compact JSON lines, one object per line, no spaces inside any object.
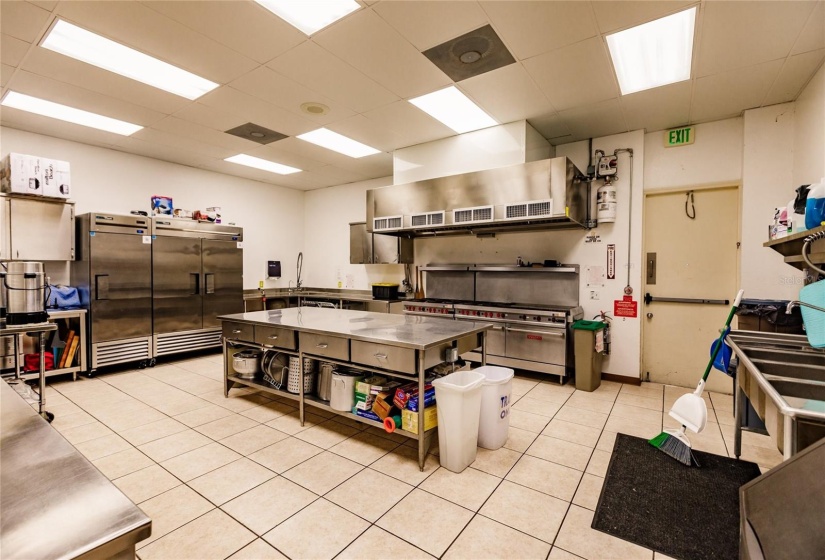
{"x":790,"y":247}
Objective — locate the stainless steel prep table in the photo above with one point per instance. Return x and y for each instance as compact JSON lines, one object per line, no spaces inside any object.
{"x":53,"y":502}
{"x":402,"y":346}
{"x":40,"y":329}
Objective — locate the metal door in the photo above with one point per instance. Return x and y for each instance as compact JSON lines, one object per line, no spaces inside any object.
{"x":120,"y":290}
{"x":223,"y":280}
{"x":177,"y":284}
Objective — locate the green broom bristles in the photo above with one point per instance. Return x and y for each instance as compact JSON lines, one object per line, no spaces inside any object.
{"x":674,"y":447}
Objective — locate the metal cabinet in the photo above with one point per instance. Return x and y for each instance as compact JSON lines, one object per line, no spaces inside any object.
{"x":37,"y":229}
{"x":375,"y":248}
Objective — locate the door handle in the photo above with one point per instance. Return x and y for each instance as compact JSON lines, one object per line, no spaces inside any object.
{"x":380,"y":356}
{"x":101,"y":286}
{"x":649,"y":298}
{"x":194,"y":283}
{"x":650,"y":315}
{"x":210,"y":282}
{"x":273,"y":337}
{"x":559,"y":334}
{"x":322,"y":345}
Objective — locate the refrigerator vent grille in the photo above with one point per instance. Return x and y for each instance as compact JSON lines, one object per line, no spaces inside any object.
{"x":469,"y":215}
{"x":388,"y":222}
{"x":174,"y":343}
{"x":121,"y":351}
{"x":534,"y":209}
{"x":427,"y":219}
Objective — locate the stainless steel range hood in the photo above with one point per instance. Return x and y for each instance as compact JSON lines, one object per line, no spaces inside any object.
{"x":539,"y":195}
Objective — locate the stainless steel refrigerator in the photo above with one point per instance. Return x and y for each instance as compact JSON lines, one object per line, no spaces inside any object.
{"x":197,"y":274}
{"x":113,"y":272}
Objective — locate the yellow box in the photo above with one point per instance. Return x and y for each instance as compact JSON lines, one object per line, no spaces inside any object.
{"x":409,"y":419}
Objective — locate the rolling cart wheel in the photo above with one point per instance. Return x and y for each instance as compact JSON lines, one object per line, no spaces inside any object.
{"x":49,"y":417}
{"x":152,"y":362}
{"x":142,"y":364}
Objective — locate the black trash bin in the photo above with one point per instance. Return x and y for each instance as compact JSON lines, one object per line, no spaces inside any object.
{"x":769,"y":315}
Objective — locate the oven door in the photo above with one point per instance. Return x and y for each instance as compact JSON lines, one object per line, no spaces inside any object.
{"x":535,"y":343}
{"x":495,"y":338}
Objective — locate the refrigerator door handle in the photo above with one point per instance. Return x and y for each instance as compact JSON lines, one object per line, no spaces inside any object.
{"x":210,"y":282}
{"x":101,"y":286}
{"x":195,"y":283}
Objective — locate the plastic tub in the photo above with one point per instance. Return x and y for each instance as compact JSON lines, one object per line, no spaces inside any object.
{"x":494,"y":419}
{"x":459,"y":404}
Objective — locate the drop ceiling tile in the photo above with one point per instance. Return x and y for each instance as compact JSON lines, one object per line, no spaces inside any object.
{"x":245,"y":27}
{"x":331,"y":176}
{"x":275,"y":152}
{"x":80,"y":98}
{"x":5,"y":74}
{"x":150,"y":32}
{"x":739,"y":34}
{"x":163,"y":138}
{"x":367,"y":131}
{"x":45,"y":4}
{"x":200,"y":133}
{"x":507,"y":94}
{"x":658,"y":108}
{"x":377,"y":165}
{"x":576,"y":75}
{"x":613,"y":16}
{"x":252,"y":109}
{"x":179,"y":153}
{"x":21,"y":120}
{"x":409,"y":123}
{"x":813,"y":35}
{"x":311,"y":151}
{"x":729,"y":93}
{"x":288,"y":94}
{"x":23,"y":20}
{"x":795,"y":74}
{"x":427,"y":23}
{"x":369,"y":43}
{"x":220,"y":166}
{"x":533,"y":28}
{"x":12,"y":49}
{"x":552,"y":127}
{"x":211,"y":117}
{"x":325,"y":73}
{"x":601,"y":119}
{"x":68,"y":70}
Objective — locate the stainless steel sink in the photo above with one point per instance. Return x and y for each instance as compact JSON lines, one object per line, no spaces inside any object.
{"x":786,"y":355}
{"x":807,"y":396}
{"x":768,"y":340}
{"x":790,"y":370}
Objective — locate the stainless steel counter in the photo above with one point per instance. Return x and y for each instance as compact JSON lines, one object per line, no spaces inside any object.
{"x":53,"y":502}
{"x":406,"y":331}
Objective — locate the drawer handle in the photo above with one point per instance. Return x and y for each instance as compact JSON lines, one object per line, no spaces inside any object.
{"x":380,"y":356}
{"x":322,"y":345}
{"x":236,"y":331}
{"x":273,"y":337}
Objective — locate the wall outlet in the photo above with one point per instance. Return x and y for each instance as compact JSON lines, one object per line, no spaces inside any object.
{"x":594,"y":294}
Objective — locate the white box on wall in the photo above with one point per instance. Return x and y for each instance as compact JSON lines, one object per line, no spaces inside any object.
{"x":21,"y":174}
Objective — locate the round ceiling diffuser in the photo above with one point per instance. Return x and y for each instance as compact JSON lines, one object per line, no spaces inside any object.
{"x":313,"y":108}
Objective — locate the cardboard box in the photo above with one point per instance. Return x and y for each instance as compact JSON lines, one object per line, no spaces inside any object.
{"x":365,"y":386}
{"x":56,"y":178}
{"x":213,"y":214}
{"x":409,"y":419}
{"x":21,"y":174}
{"x":383,"y":405}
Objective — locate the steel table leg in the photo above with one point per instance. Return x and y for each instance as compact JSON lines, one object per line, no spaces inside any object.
{"x":422,"y":445}
{"x":739,"y":414}
{"x":42,"y":379}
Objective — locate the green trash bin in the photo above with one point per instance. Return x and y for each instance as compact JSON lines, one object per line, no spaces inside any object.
{"x":588,"y":361}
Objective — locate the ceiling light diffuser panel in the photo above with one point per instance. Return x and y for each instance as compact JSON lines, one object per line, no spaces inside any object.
{"x":338,"y":143}
{"x":454,"y":109}
{"x":78,"y":43}
{"x":653,"y":54}
{"x":310,"y":16}
{"x":266,"y":165}
{"x":68,"y":114}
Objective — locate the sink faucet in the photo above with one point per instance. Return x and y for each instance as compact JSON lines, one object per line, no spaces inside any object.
{"x":792,"y":304}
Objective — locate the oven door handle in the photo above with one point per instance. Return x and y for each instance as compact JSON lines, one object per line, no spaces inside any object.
{"x":496,"y":328}
{"x":559,"y":334}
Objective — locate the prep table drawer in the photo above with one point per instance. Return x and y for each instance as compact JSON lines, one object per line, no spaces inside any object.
{"x":278,"y":337}
{"x":383,"y":356}
{"x":238,"y":331}
{"x":324,"y":345}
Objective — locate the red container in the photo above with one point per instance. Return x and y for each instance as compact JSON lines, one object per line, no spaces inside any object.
{"x":31,"y":362}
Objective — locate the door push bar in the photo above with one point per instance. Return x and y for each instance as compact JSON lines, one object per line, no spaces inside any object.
{"x":649,"y":298}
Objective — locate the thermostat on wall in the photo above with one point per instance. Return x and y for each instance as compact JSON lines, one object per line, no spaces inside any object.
{"x":273,"y":269}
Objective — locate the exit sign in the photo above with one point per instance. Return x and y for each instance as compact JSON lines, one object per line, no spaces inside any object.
{"x":679,"y":136}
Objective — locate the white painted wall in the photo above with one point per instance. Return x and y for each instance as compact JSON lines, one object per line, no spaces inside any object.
{"x":809,"y":133}
{"x":767,"y":183}
{"x":110,"y":181}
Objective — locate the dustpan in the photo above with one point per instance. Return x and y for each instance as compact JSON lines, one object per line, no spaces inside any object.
{"x":814,"y":294}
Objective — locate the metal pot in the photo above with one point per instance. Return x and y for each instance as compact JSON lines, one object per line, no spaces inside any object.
{"x":246,"y":363}
{"x":342,"y":395}
{"x":325,"y":381}
{"x":275,"y":368}
{"x":26,"y":293}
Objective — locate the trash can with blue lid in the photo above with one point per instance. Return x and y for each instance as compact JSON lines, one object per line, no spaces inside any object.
{"x":588,"y":348}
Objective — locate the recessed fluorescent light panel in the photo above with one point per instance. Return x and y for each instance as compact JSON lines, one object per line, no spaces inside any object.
{"x":68,"y":114}
{"x":654,"y":54}
{"x":91,"y":48}
{"x":454,"y":109}
{"x":338,"y":143}
{"x":264,"y":164}
{"x":310,"y":16}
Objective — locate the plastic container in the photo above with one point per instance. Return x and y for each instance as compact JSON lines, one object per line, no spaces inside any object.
{"x":384,"y":291}
{"x":494,"y":419}
{"x":459,"y":405}
{"x":588,"y":361}
{"x":815,"y":205}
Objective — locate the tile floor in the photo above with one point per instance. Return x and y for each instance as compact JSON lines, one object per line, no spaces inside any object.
{"x":241,"y":478}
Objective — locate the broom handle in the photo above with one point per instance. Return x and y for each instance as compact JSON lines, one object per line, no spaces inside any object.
{"x":718,"y":346}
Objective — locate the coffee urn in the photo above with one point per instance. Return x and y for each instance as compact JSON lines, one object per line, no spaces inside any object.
{"x":26,"y":290}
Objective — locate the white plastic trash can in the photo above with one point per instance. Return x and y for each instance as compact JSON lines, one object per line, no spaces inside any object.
{"x":494,"y":421}
{"x":459,"y":401}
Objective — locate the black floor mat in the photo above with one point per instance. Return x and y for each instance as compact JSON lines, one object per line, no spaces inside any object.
{"x":691,"y":513}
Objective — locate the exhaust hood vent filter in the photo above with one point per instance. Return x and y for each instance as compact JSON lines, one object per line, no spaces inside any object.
{"x":471,"y":54}
{"x":256,"y":133}
{"x":388,"y":222}
{"x":473,"y":215}
{"x":427,"y":219}
{"x":524,"y":210}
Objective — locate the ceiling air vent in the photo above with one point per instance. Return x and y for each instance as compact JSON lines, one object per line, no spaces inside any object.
{"x":256,"y":133}
{"x":524,"y":210}
{"x":387,"y":222}
{"x":471,"y":54}
{"x":427,"y":219}
{"x":473,"y":215}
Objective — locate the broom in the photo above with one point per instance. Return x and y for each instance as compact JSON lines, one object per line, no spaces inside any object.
{"x":690,"y":410}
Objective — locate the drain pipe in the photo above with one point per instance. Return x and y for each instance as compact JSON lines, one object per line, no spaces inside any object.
{"x":628,"y":290}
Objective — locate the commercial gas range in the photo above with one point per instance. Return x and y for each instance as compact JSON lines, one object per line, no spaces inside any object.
{"x":528,"y":335}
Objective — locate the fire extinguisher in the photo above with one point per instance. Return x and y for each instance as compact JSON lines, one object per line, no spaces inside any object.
{"x":606,"y":319}
{"x":606,"y":202}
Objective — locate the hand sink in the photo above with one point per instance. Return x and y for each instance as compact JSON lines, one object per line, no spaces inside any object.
{"x":806,"y":396}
